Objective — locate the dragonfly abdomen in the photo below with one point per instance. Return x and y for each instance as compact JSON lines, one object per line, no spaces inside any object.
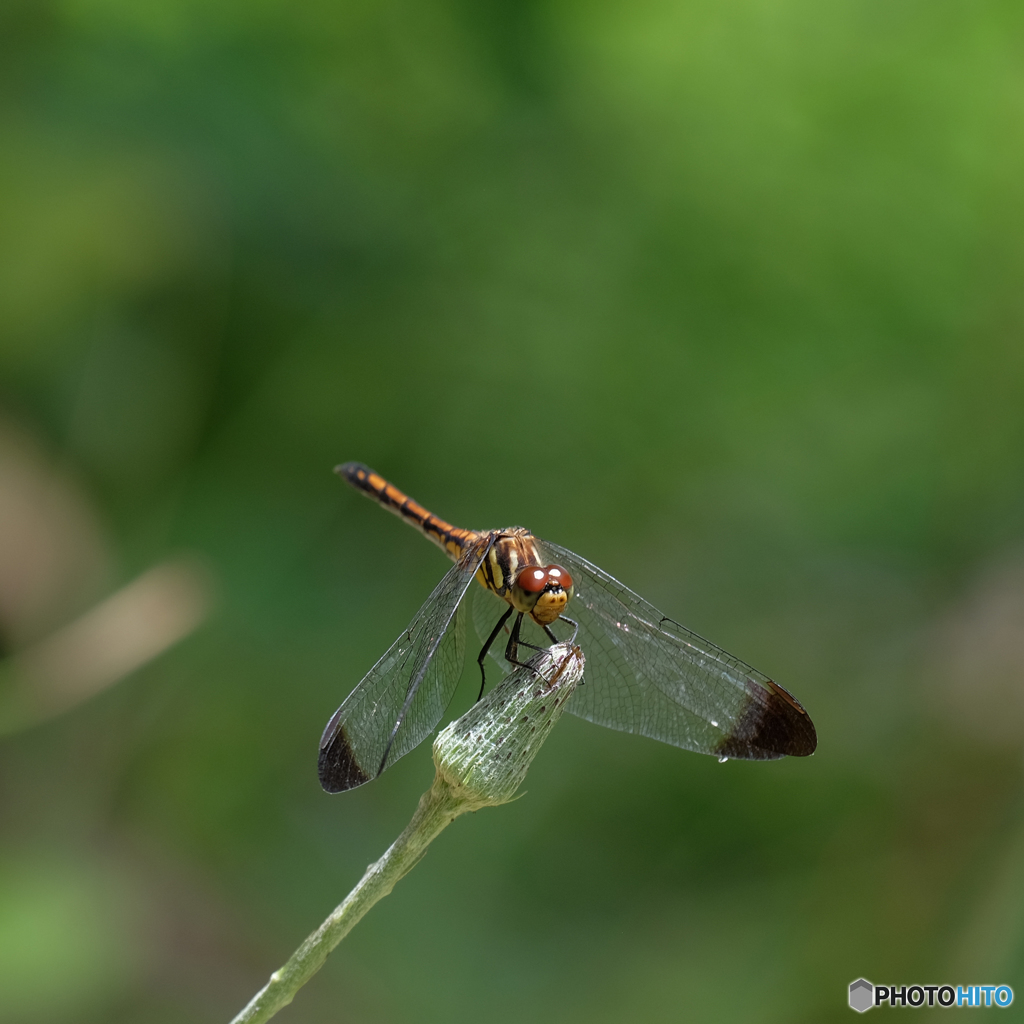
{"x":450,"y":539}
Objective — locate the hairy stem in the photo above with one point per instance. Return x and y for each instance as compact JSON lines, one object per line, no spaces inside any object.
{"x":438,"y":807}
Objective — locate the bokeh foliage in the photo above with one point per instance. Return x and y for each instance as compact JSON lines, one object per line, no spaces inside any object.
{"x":725,"y":296}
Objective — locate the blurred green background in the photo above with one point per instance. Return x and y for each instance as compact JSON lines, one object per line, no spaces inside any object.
{"x":725,"y":296}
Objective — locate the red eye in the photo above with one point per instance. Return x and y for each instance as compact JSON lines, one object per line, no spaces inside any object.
{"x":560,"y":576}
{"x":532,"y":579}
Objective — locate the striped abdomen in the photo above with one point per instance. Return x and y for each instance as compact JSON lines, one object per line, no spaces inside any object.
{"x":452,"y":540}
{"x":510,"y":550}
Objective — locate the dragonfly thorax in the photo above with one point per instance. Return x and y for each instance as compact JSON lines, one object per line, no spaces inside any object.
{"x":514,"y":570}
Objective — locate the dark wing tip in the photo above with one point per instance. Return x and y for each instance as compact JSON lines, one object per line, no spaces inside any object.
{"x":337,"y":766}
{"x":773,"y":724}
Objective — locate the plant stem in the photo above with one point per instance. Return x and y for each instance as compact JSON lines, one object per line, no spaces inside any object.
{"x":438,"y":807}
{"x":481,"y":760}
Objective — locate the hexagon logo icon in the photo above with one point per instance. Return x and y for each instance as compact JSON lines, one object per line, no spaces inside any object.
{"x":862,"y":995}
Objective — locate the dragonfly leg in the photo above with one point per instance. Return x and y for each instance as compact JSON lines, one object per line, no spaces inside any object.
{"x":512,"y":647}
{"x":564,"y":619}
{"x":487,"y":646}
{"x":515,"y":642}
{"x":575,"y":628}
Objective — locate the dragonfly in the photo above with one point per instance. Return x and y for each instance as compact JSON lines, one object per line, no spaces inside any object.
{"x":645,"y":673}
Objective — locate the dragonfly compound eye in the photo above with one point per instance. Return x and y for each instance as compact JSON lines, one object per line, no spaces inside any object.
{"x":528,"y":587}
{"x":532,"y":579}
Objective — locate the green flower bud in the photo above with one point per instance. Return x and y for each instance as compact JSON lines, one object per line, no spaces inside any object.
{"x":483,"y":756}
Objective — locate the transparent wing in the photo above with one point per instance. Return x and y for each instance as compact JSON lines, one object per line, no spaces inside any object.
{"x":648,"y":674}
{"x":402,"y":698}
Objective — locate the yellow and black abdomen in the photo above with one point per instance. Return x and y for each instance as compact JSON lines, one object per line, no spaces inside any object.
{"x":452,"y":540}
{"x":510,"y":551}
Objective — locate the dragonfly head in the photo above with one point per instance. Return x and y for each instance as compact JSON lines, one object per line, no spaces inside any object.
{"x":543,"y":592}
